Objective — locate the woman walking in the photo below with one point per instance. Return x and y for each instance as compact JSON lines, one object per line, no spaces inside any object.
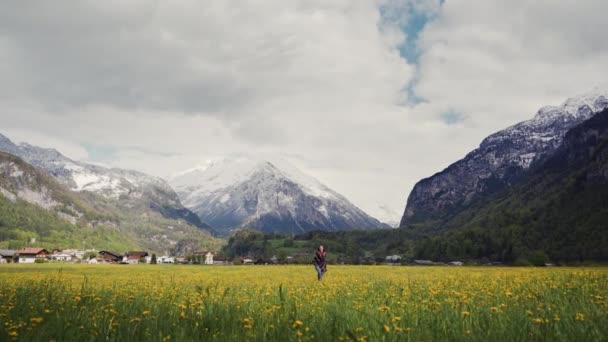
{"x":320,"y":263}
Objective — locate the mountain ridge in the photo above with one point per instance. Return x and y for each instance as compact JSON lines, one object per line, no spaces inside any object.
{"x":124,"y":186}
{"x":500,"y":160}
{"x":271,"y":196}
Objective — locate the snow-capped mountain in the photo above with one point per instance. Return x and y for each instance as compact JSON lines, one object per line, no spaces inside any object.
{"x":500,"y":159}
{"x":269,"y":196}
{"x":130,"y":188}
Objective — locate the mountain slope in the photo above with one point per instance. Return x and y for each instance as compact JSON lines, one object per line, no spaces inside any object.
{"x":246,"y":193}
{"x":128,"y":188}
{"x":34,"y":204}
{"x":499,"y":162}
{"x":559,"y":210}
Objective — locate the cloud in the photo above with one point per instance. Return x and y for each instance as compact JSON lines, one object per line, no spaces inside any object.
{"x":498,"y":62}
{"x":329,"y":85}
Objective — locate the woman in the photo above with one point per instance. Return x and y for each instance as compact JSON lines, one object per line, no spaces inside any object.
{"x":320,"y":263}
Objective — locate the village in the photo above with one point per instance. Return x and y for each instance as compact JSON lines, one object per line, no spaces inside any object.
{"x":33,"y":255}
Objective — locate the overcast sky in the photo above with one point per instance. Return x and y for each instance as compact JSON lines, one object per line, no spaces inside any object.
{"x":367,"y":96}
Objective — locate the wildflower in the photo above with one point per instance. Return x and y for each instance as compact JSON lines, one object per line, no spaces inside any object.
{"x":580,"y":316}
{"x":383,"y":308}
{"x":387,"y":328}
{"x":296,"y":324}
{"x":465,"y":313}
{"x":494,"y":309}
{"x":13,"y":334}
{"x":395,"y":319}
{"x":37,"y":320}
{"x":358,"y":329}
{"x":145,"y":312}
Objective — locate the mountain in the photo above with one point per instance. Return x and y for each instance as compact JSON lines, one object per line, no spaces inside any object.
{"x":499,"y":162}
{"x":129,"y":188}
{"x":34,"y":204}
{"x":557,"y":212}
{"x":268,"y":196}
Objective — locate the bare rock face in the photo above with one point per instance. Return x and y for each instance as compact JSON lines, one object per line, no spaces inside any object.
{"x":236,"y":194}
{"x":499,"y":161}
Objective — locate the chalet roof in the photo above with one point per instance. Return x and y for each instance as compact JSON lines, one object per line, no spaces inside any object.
{"x":114,"y":254}
{"x":32,"y":251}
{"x":7,"y":252}
{"x":137,"y":254}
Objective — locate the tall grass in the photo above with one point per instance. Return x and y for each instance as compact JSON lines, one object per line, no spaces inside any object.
{"x":277,"y":303}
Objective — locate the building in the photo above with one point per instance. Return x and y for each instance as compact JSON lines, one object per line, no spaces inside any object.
{"x":135,"y":257}
{"x":6,"y":256}
{"x":393,"y":259}
{"x":30,"y":255}
{"x":109,"y":257}
{"x":207,"y":257}
{"x":165,"y":260}
{"x":61,"y":256}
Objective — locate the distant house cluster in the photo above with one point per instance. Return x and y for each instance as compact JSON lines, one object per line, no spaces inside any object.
{"x":32,"y":255}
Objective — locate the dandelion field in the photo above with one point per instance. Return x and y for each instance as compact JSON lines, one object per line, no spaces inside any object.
{"x":278,"y":303}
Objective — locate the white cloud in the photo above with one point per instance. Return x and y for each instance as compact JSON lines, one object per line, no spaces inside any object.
{"x":166,"y":85}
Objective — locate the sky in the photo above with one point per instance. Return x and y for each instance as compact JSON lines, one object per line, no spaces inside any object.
{"x":368,"y":96}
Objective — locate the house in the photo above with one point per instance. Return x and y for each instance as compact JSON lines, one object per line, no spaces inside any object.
{"x":135,"y":257}
{"x":165,"y":260}
{"x":109,"y":257}
{"x":30,"y":255}
{"x":61,"y":256}
{"x":456,"y":263}
{"x":6,"y":256}
{"x":247,"y":260}
{"x":93,"y":261}
{"x":393,"y":259}
{"x":78,"y":254}
{"x":207,"y":257}
{"x":181,"y":260}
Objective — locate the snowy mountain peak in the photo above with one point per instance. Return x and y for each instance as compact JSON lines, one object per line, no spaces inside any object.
{"x":270,"y":195}
{"x":579,"y":106}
